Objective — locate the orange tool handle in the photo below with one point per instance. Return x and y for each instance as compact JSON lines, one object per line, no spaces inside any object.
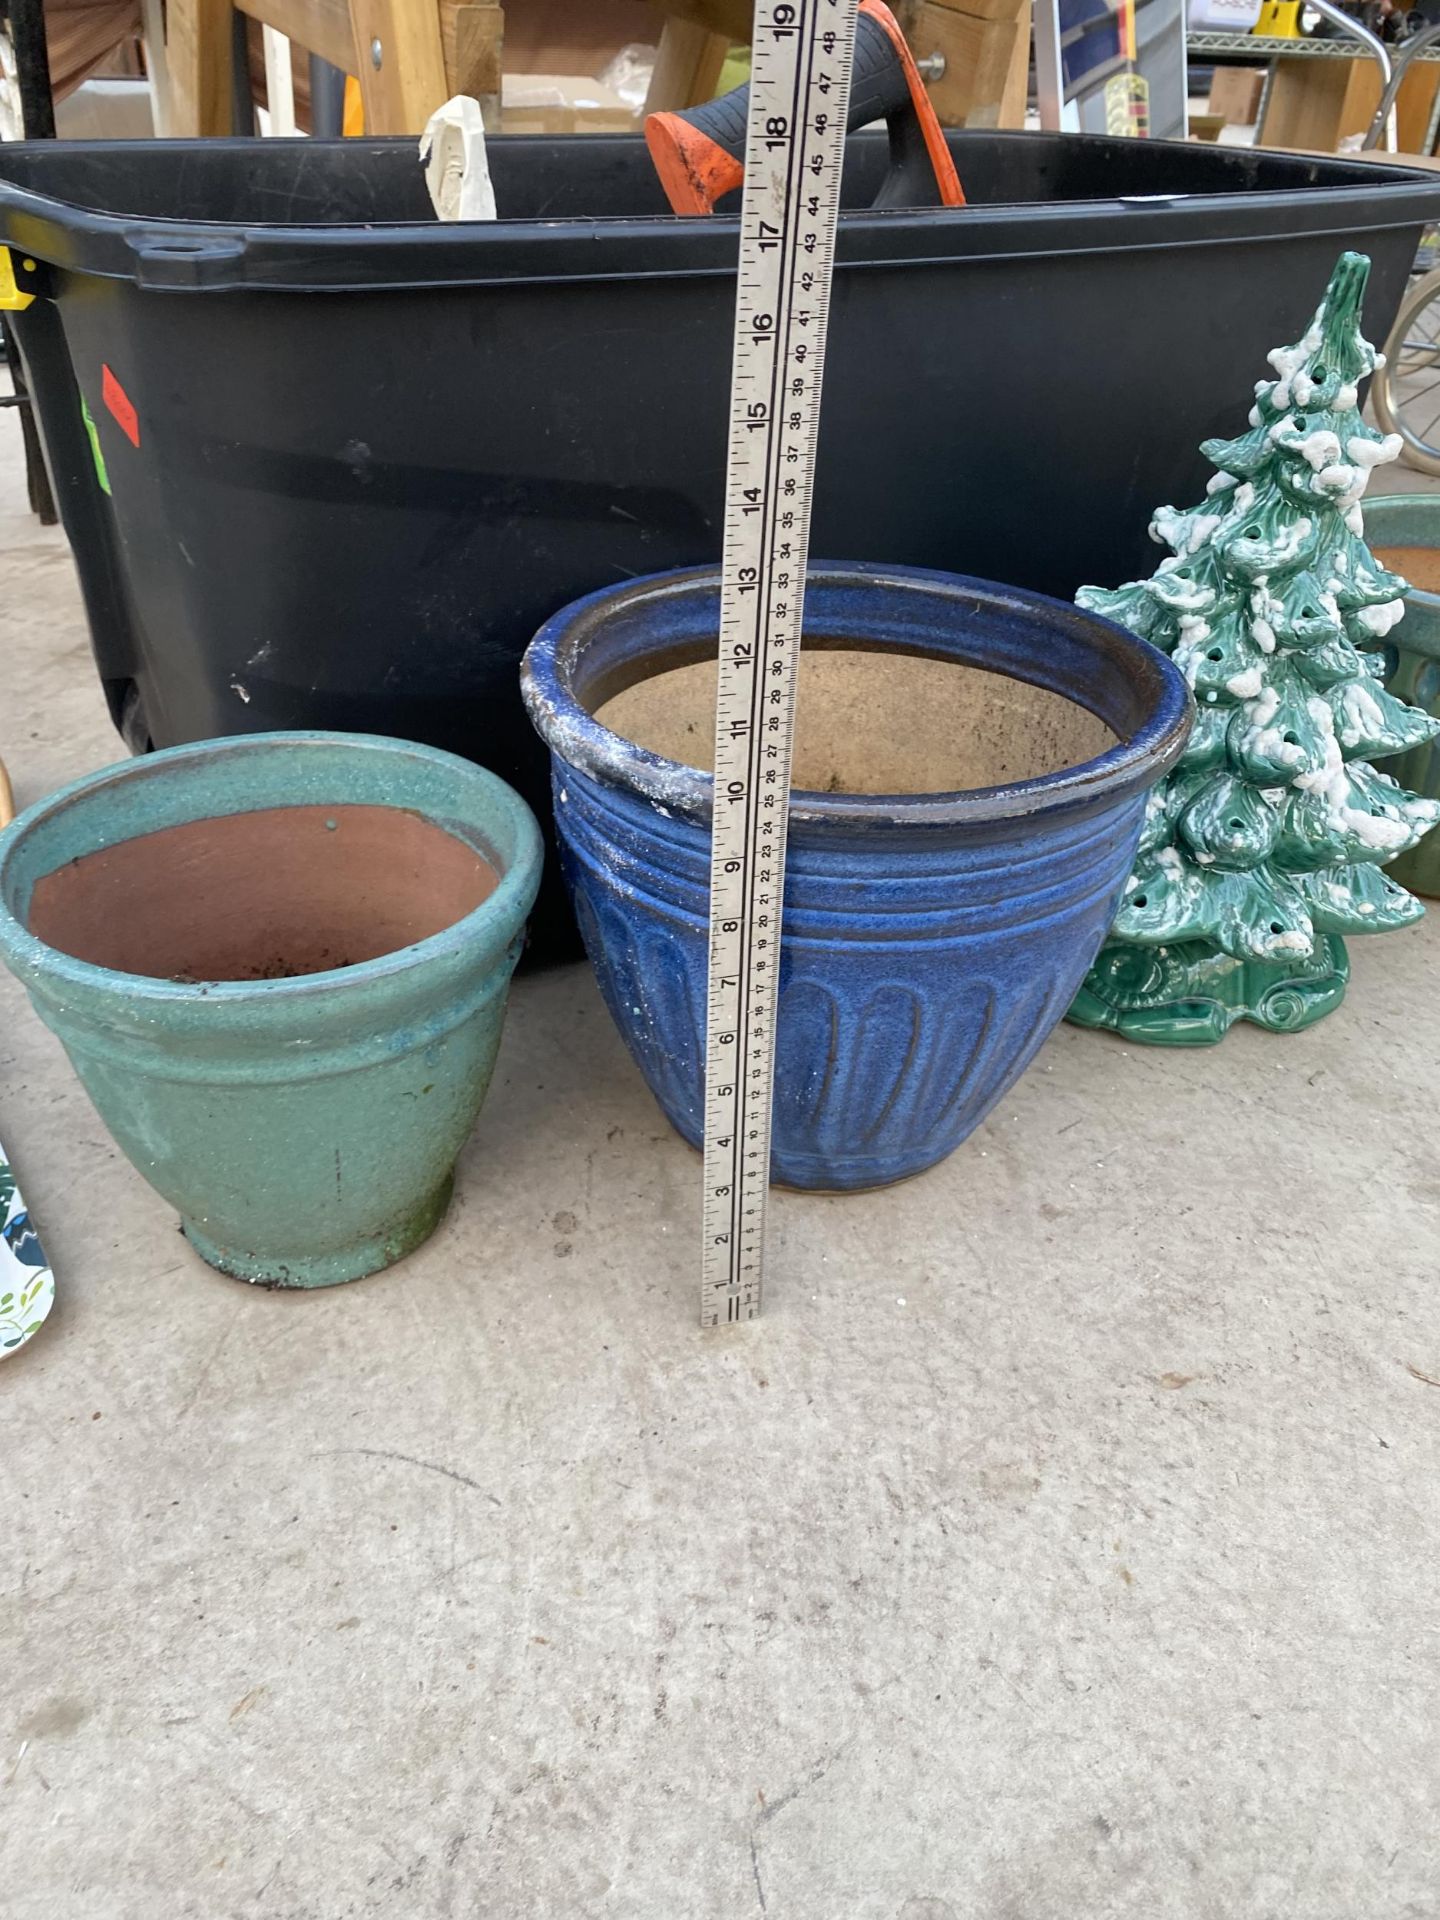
{"x":700,"y":154}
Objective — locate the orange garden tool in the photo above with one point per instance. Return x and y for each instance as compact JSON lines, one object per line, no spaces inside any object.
{"x":700,"y":154}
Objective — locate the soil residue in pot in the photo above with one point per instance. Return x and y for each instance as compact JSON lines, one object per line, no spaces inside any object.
{"x":879,"y":722}
{"x":268,"y":895}
{"x":1419,"y":565}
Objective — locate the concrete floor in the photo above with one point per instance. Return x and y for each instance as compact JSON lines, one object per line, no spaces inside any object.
{"x":1061,"y":1545}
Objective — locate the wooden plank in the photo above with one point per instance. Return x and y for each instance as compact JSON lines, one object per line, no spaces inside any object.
{"x":1414,"y":104}
{"x":982,"y":54}
{"x":200,"y":55}
{"x":687,"y":67}
{"x":976,"y":9}
{"x":408,"y":83}
{"x":733,"y":18}
{"x":1313,"y":103}
{"x":472,"y":38}
{"x":1015,"y":94}
{"x":319,"y":26}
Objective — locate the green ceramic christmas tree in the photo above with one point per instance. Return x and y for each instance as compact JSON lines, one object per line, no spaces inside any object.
{"x":1267,"y":843}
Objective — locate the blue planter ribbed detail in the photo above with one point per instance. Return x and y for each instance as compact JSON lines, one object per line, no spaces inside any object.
{"x":930,"y":941}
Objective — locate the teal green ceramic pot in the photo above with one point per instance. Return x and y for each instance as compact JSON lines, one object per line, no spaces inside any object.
{"x":279,"y":964}
{"x":1413,"y":657}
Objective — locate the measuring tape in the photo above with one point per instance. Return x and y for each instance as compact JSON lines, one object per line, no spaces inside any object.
{"x":802,"y":53}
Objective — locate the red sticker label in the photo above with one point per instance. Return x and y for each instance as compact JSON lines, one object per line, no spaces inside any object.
{"x":119,"y":404}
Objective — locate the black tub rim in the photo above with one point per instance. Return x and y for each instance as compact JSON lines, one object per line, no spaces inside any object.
{"x":1329,"y":195}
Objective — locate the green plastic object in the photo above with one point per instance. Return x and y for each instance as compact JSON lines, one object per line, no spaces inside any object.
{"x":96,"y":452}
{"x":1412,"y":667}
{"x":305,"y":1128}
{"x":1267,"y":843}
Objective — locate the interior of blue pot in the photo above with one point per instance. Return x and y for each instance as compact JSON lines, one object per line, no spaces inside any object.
{"x":871,"y":721}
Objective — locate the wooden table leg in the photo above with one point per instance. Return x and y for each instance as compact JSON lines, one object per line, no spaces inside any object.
{"x":473,"y":38}
{"x":200,"y":53}
{"x":400,"y":63}
{"x":986,"y":48}
{"x":687,"y":67}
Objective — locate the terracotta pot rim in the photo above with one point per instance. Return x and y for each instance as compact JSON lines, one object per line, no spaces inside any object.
{"x":489,"y":924}
{"x":552,"y":677}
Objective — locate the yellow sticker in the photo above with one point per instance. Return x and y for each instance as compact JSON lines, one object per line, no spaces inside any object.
{"x":12,"y":300}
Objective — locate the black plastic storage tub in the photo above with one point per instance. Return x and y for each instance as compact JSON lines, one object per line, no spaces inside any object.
{"x":354,"y":458}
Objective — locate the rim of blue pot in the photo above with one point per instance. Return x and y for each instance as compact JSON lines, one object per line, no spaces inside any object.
{"x":551,"y":671}
{"x":512,"y":899}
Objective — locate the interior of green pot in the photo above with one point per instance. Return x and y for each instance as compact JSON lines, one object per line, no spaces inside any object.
{"x":873,"y":721}
{"x":263,"y":895}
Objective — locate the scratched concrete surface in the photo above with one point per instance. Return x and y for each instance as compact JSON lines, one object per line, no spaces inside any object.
{"x":1061,"y":1545}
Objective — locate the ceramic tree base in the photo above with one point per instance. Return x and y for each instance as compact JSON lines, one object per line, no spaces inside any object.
{"x":1191,"y":996}
{"x":27,"y":1286}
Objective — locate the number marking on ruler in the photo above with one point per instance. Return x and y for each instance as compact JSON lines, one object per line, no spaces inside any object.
{"x":801,"y":57}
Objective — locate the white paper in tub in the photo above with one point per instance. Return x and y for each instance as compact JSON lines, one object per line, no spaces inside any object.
{"x":457,"y":172}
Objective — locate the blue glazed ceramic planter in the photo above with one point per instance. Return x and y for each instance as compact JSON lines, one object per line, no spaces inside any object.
{"x":304,"y":1113}
{"x":931,"y":940}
